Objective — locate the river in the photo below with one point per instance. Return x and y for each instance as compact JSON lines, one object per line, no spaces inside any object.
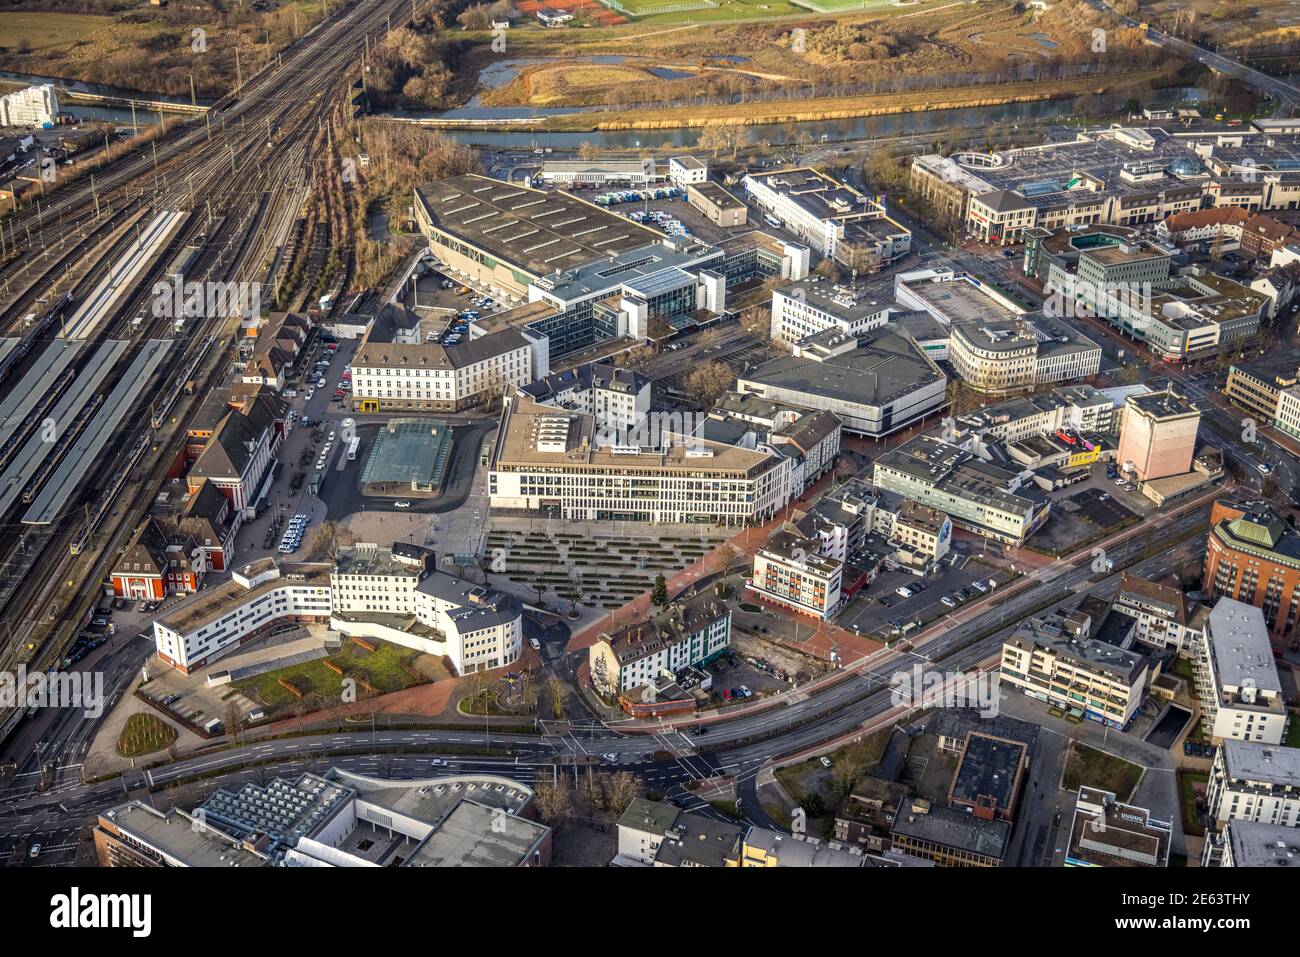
{"x":853,"y":128}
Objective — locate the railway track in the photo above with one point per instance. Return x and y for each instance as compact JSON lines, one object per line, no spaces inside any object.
{"x":240,"y":176}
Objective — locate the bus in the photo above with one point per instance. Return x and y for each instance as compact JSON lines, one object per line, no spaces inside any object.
{"x":772,"y":221}
{"x":353,"y":447}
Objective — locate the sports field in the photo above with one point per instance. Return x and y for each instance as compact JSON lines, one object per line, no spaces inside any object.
{"x":37,"y":32}
{"x":696,"y":11}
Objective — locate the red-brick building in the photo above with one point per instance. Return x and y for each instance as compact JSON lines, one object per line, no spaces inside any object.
{"x":1253,"y":555}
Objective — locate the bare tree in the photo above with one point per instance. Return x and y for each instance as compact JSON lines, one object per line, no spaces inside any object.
{"x":556,"y":694}
{"x":555,"y":802}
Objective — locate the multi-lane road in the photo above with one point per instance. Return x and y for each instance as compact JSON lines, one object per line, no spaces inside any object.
{"x":666,"y":758}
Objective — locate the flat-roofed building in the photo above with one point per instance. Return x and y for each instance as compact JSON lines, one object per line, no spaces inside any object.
{"x":684,"y":171}
{"x":1055,"y":660}
{"x":552,"y":462}
{"x":1158,"y":610}
{"x":1127,"y":280}
{"x":823,"y":212}
{"x":923,"y":535}
{"x":1288,"y":411}
{"x":789,"y":570}
{"x":1120,"y":176}
{"x":1106,"y":832}
{"x":864,"y":817}
{"x":504,"y":236}
{"x":1257,"y":782}
{"x":763,"y":847}
{"x":813,"y":305}
{"x":1252,"y":844}
{"x":721,"y":208}
{"x":606,"y":172}
{"x":990,"y":771}
{"x":951,"y":837}
{"x":1159,"y":435}
{"x":619,"y":399}
{"x":136,"y":835}
{"x":1236,"y":679}
{"x":1257,"y":386}
{"x":985,"y":498}
{"x":260,"y":599}
{"x":996,"y":345}
{"x":876,"y":382}
{"x":342,"y":819}
{"x":656,"y":834}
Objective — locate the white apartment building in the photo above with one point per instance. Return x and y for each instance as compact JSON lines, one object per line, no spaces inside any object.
{"x":398,"y":596}
{"x":648,"y":653}
{"x":1251,"y":844}
{"x":1236,"y":679}
{"x":402,"y":597}
{"x":392,"y":376}
{"x":923,"y":535}
{"x":260,"y":599}
{"x":789,"y":570}
{"x":1288,"y":411}
{"x":1160,"y":612}
{"x":35,"y":106}
{"x":1255,"y":782}
{"x":813,"y":305}
{"x":686,"y":171}
{"x":618,"y":399}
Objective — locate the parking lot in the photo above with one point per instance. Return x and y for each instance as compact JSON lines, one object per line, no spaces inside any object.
{"x":878,"y":609}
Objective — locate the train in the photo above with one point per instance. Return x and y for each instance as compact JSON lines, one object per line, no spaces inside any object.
{"x":34,"y":418}
{"x":107,"y":496}
{"x":61,"y":447}
{"x":162,"y":410}
{"x":35,"y":331}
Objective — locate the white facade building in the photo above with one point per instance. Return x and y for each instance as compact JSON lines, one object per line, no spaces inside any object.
{"x":810,"y":306}
{"x":686,"y":171}
{"x":1255,"y":782}
{"x":398,"y":596}
{"x":685,"y":634}
{"x":391,"y":376}
{"x":35,"y":106}
{"x":1236,"y":679}
{"x":255,"y":602}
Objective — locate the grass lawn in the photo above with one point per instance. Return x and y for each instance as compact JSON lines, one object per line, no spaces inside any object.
{"x":1183,"y":669}
{"x":1292,"y":737}
{"x":1187,"y":791}
{"x":144,"y":733}
{"x":47,"y":31}
{"x":385,"y":668}
{"x":1088,"y":767}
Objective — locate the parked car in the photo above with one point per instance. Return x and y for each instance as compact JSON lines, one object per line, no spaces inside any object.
{"x":947,"y":600}
{"x":826,"y":762}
